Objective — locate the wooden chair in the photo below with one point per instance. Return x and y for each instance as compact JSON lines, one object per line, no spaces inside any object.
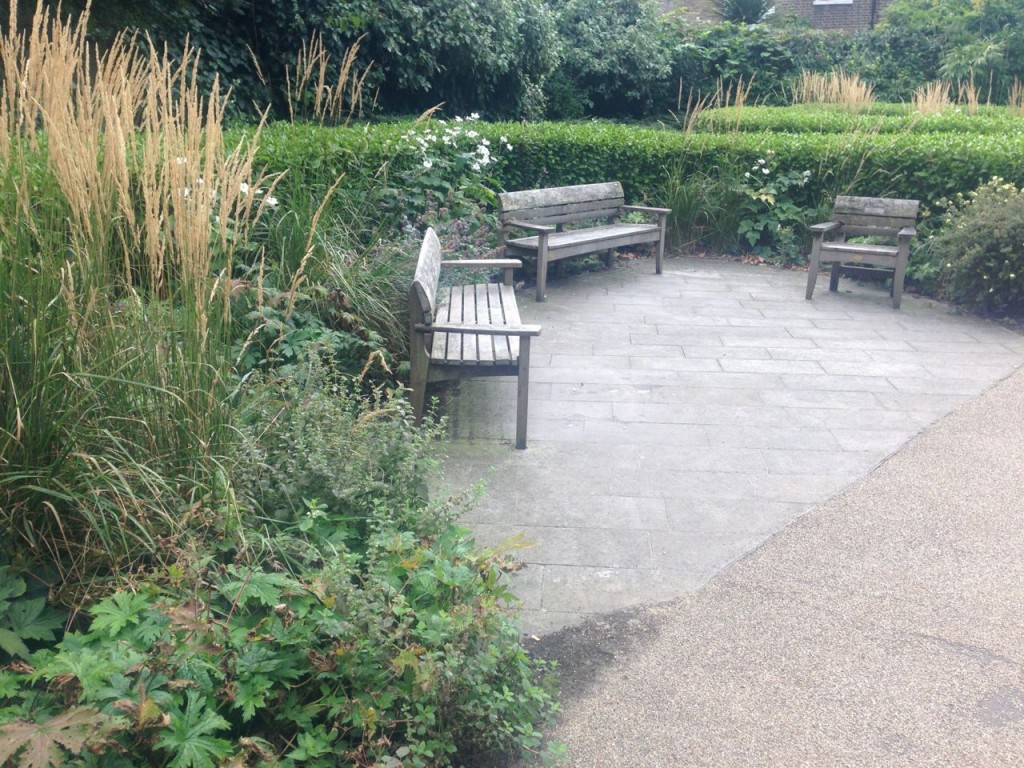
{"x":875,"y":217}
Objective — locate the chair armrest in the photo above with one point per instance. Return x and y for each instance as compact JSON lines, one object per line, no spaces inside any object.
{"x":824,"y":227}
{"x":481,"y":330}
{"x":647,"y":209}
{"x":907,"y":232}
{"x":542,"y":228}
{"x":484,"y":263}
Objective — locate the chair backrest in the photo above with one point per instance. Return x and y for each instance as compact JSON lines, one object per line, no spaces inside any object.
{"x":558,"y":205}
{"x":874,"y":216}
{"x":423,"y":293}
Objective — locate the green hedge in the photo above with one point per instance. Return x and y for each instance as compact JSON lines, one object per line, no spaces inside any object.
{"x":881,"y":118}
{"x":926,"y":166}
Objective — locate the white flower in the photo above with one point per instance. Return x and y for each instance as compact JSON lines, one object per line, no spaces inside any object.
{"x":244,"y":188}
{"x":472,"y":134}
{"x":746,"y":175}
{"x":181,"y":160}
{"x":184,"y":192}
{"x":474,"y":116}
{"x":428,"y":163}
{"x":508,"y":147}
{"x":503,"y":140}
{"x":272,"y":201}
{"x":476,"y":166}
{"x":765,"y":171}
{"x":458,"y":119}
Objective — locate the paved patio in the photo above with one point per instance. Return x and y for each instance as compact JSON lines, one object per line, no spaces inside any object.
{"x":679,"y":421}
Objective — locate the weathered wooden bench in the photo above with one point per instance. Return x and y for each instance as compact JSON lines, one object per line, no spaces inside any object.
{"x":466,"y":331}
{"x":875,"y":217}
{"x":547,"y":211}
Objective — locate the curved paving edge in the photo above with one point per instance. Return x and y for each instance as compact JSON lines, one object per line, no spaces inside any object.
{"x":883,"y":628}
{"x":679,"y":421}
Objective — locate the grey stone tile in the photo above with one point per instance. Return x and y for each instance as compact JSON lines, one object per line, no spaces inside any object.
{"x":584,"y":589}
{"x":810,"y":367}
{"x":797,"y":462}
{"x":701,"y":554}
{"x":551,"y":545}
{"x":721,"y":352}
{"x":778,"y":437}
{"x":725,"y":516}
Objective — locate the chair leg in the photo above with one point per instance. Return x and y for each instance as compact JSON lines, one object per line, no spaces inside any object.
{"x":522,"y":391}
{"x":833,"y":279}
{"x":812,"y":268}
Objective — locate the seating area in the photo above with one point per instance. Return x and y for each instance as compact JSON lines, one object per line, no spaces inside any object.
{"x":466,"y":330}
{"x":594,"y":213}
{"x":876,"y":218}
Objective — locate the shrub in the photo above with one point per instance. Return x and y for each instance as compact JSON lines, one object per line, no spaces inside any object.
{"x":977,"y":254}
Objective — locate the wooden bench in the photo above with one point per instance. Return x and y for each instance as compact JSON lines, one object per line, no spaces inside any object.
{"x":875,"y":217}
{"x":547,"y":211}
{"x":466,"y":330}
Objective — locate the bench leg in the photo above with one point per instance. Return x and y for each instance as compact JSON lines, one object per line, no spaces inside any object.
{"x":897,"y":283}
{"x":608,"y":255}
{"x":833,"y":280}
{"x":660,"y":253}
{"x":418,"y":378}
{"x":522,"y":391}
{"x":542,"y":267}
{"x":812,"y":267}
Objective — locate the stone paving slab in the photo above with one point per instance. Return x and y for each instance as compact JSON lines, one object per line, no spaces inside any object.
{"x":678,"y":421}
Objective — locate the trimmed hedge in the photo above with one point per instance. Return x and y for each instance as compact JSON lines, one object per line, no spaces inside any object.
{"x":881,"y":118}
{"x":925,"y":166}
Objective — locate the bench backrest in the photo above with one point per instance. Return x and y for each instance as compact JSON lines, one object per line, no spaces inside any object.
{"x":423,"y":293}
{"x":558,"y":205}
{"x":874,"y":216}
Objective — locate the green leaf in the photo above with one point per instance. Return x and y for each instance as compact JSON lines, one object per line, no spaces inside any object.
{"x":12,"y":644}
{"x":34,"y":620}
{"x":189,"y":736}
{"x":265,"y":588}
{"x":112,"y":615}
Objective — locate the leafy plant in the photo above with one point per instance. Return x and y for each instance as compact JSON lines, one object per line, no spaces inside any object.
{"x":745,"y":11}
{"x":976,"y":253}
{"x":24,"y":618}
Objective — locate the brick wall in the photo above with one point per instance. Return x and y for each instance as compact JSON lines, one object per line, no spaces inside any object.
{"x":832,"y":15}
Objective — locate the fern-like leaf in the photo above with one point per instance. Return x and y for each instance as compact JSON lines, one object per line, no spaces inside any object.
{"x":42,"y":745}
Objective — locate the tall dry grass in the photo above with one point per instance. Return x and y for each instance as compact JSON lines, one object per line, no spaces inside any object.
{"x":1016,"y":98}
{"x":316,"y":92}
{"x":117,"y":197}
{"x":932,"y":98}
{"x":847,"y":91}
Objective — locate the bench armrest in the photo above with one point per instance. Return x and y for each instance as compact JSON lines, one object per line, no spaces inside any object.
{"x":825,"y":227}
{"x":542,"y":228}
{"x":908,"y":232}
{"x":484,"y":263}
{"x":647,"y":209}
{"x":480,"y":330}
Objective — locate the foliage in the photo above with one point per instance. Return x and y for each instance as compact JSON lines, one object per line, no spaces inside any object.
{"x":976,"y":256}
{"x":25,"y":617}
{"x":487,"y":54}
{"x":745,"y":11}
{"x":121,"y":208}
{"x":980,"y":41}
{"x":360,"y":627}
{"x":612,"y":62}
{"x":880,"y":118}
{"x":769,"y":218}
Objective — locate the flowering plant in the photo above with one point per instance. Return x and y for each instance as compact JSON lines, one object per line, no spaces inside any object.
{"x":978,"y":253}
{"x":449,"y":166}
{"x":769,"y":215}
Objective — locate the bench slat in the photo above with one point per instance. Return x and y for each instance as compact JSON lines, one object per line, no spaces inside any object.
{"x":542,"y":198}
{"x":575,"y":242}
{"x":504,"y":311}
{"x":874,"y":206}
{"x":561,"y":214}
{"x":485,"y":304}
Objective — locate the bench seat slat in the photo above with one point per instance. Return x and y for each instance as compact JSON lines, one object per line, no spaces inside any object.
{"x":484,"y":304}
{"x":560,"y":214}
{"x":575,"y":242}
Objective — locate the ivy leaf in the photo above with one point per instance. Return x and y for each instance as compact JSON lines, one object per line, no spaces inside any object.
{"x":189,"y":737}
{"x":42,"y":742}
{"x":116,"y":612}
